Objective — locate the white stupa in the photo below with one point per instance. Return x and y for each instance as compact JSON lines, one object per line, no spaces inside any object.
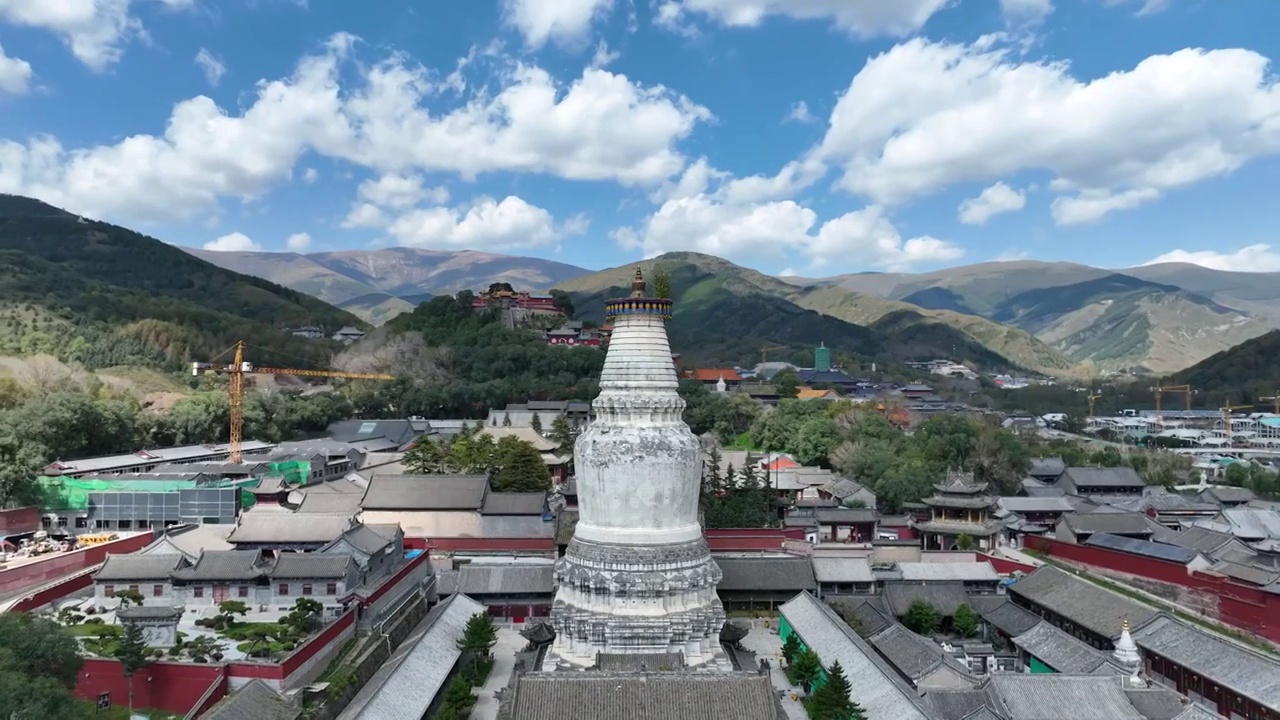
{"x":1126,"y":653}
{"x":637,"y":578}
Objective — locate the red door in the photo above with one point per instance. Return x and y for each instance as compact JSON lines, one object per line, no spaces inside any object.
{"x":220,"y":593}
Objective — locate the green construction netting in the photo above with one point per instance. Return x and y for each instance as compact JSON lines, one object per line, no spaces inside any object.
{"x":66,"y":493}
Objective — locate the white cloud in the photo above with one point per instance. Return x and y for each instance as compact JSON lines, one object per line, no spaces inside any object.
{"x":310,"y":175}
{"x":602,"y":126}
{"x":863,"y":18}
{"x":400,"y":191}
{"x":486,"y":223}
{"x":1025,"y":12}
{"x":925,"y":115}
{"x":800,"y":113}
{"x":752,"y":220}
{"x":603,"y":56}
{"x":212,"y":67}
{"x":235,"y":242}
{"x":1254,"y":258}
{"x":94,"y":30}
{"x":365,"y":215}
{"x":1149,"y":7}
{"x":15,"y":75}
{"x":298,"y":242}
{"x":997,"y":199}
{"x":564,"y":22}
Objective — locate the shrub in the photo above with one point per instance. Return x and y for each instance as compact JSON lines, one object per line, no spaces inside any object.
{"x":92,"y":621}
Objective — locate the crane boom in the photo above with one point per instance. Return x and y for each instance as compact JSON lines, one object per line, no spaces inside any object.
{"x":238,"y":368}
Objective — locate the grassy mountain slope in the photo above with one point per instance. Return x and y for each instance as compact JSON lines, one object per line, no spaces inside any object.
{"x":377,"y":307}
{"x":1242,"y":374}
{"x":343,"y":277}
{"x":105,"y":295}
{"x":725,"y":314}
{"x":1119,"y":321}
{"x":1255,"y":293}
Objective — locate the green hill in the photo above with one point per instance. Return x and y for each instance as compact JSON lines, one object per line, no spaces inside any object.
{"x":725,"y":314}
{"x":1243,"y":374}
{"x":105,"y":296}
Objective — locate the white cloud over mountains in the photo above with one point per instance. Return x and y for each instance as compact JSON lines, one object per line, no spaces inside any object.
{"x":1254,"y":258}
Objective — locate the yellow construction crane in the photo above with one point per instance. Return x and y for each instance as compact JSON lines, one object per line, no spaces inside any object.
{"x":239,"y":368}
{"x":1091,"y":399}
{"x":764,"y":352}
{"x":1159,"y":392}
{"x":1226,"y":419}
{"x":1274,"y":400}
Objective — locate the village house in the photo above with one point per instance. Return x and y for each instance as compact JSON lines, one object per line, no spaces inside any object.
{"x":711,"y":377}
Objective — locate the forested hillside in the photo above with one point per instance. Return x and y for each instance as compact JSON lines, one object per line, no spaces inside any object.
{"x":103,"y":296}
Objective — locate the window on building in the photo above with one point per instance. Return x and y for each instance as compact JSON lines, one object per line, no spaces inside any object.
{"x":108,"y":590}
{"x":306,"y":588}
{"x":157,"y":590}
{"x":283,"y":589}
{"x":82,"y":523}
{"x":133,"y":588}
{"x":242,"y":591}
{"x":62,"y":522}
{"x":46,"y":522}
{"x":331,"y":589}
{"x":197,"y":591}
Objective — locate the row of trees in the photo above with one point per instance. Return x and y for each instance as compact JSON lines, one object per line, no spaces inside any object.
{"x":828,"y":689}
{"x":512,"y":464}
{"x":37,"y":428}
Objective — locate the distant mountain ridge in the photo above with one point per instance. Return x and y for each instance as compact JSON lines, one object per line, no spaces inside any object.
{"x":380,"y":284}
{"x":1053,"y":317}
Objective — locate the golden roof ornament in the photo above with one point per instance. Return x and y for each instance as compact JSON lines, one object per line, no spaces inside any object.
{"x":638,"y":285}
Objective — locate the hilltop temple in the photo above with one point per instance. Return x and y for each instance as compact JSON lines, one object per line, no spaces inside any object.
{"x":637,"y":578}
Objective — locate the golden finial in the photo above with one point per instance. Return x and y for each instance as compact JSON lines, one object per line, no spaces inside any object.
{"x":638,"y":285}
{"x":1125,"y":626}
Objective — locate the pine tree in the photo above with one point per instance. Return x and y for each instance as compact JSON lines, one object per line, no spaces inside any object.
{"x":519,"y":467}
{"x":478,"y":636}
{"x":714,"y":482}
{"x":964,"y":622}
{"x":132,"y":654}
{"x":790,"y":647}
{"x":536,"y":423}
{"x":506,"y":419}
{"x":806,"y":670}
{"x":832,"y":701}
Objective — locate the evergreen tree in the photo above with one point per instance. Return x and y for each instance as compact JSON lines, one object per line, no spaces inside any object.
{"x":922,"y":618}
{"x":713,"y":482}
{"x":806,"y":670}
{"x":832,"y":701}
{"x":965,"y":622}
{"x":478,"y":637}
{"x":536,"y":423}
{"x":519,"y":467}
{"x":790,"y":647}
{"x":132,"y":654}
{"x":506,"y":419}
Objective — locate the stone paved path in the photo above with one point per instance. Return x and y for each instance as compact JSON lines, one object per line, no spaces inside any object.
{"x":766,"y":644}
{"x":504,"y":659}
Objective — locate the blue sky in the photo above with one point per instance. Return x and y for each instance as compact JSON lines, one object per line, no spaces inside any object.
{"x":810,"y":136}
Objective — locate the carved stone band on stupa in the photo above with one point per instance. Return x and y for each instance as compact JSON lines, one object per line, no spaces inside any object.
{"x":638,"y":577}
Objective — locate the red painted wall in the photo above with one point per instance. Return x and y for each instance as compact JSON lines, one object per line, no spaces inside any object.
{"x":386,"y":587}
{"x":313,"y":646}
{"x":482,"y":544}
{"x":19,"y":520}
{"x":1004,"y":566}
{"x":172,"y":687}
{"x":39,"y":599}
{"x":33,"y":575}
{"x":1241,"y":606}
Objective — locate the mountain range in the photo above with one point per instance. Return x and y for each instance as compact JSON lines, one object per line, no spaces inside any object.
{"x":1053,"y":317}
{"x":377,"y":285}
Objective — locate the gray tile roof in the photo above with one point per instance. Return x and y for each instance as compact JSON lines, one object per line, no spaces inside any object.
{"x":284,"y":528}
{"x":406,"y":684}
{"x":365,"y":539}
{"x":1047,"y":466}
{"x":121,"y":568}
{"x":865,"y":614}
{"x":1145,"y":548}
{"x":1118,"y":523}
{"x":1004,"y":614}
{"x":651,"y":696}
{"x":425,"y":492}
{"x":255,"y":701}
{"x":914,"y":656}
{"x":1249,"y":673}
{"x":148,"y":612}
{"x":842,"y":570}
{"x":943,"y":571}
{"x":781,"y":574}
{"x":638,"y":662}
{"x":329,"y":503}
{"x":514,"y":503}
{"x":1080,"y":601}
{"x":875,"y":685}
{"x":1228,"y":494}
{"x":1090,"y":477}
{"x":1059,"y":650}
{"x":481,"y":579}
{"x":1155,"y":703}
{"x":1041,"y":696}
{"x":213,"y":565}
{"x":1195,"y":712}
{"x":943,"y":596}
{"x":1055,"y":503}
{"x":308,"y":566}
{"x":1203,"y":539}
{"x":960,"y":704}
{"x":835,"y":516}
